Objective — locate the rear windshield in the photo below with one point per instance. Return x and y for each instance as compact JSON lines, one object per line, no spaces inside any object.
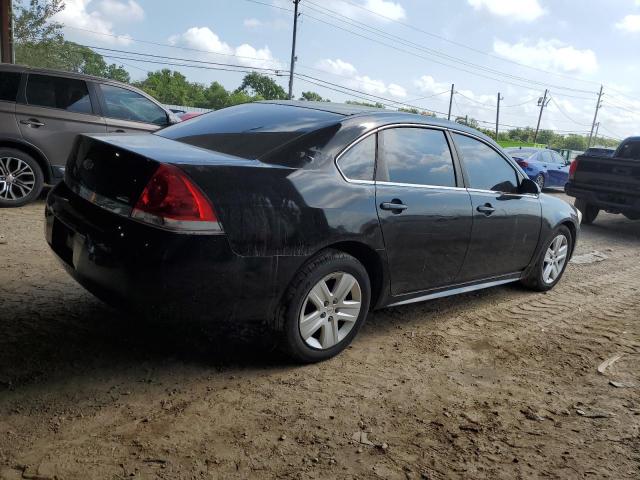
{"x":252,"y":130}
{"x":520,"y":153}
{"x":9,"y":83}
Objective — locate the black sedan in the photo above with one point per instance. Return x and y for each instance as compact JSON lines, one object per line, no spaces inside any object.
{"x":302,"y":216}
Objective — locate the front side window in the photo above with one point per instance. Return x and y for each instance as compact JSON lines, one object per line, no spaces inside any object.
{"x":67,"y":94}
{"x":125,"y":104}
{"x":416,"y":156}
{"x":358,"y":162}
{"x":9,"y":83}
{"x":486,"y":168}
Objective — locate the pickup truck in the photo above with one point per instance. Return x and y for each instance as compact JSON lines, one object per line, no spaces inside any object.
{"x":607,"y":183}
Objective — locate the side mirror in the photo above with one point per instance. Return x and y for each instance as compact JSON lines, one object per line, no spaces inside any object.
{"x":529,"y":186}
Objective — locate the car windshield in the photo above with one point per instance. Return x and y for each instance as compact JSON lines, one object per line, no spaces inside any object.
{"x":521,"y":153}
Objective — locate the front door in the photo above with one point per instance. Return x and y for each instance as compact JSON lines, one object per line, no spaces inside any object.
{"x":558,"y":171}
{"x":506,"y":224}
{"x":57,"y":109}
{"x":425,"y":215}
{"x":127,"y":111}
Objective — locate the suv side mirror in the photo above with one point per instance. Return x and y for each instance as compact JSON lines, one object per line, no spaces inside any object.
{"x":529,"y":186}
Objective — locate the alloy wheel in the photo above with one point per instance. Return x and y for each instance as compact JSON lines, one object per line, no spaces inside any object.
{"x":330,"y":310}
{"x":540,"y":181}
{"x":17,"y":178}
{"x":554,"y":259}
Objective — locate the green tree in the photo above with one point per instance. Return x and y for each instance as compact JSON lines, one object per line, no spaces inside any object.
{"x":173,"y":88}
{"x":258,"y":85}
{"x":365,"y":104}
{"x":469,"y":122}
{"x":313,"y":97}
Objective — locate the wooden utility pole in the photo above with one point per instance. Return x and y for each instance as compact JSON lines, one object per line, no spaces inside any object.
{"x":543,"y":103}
{"x":293,"y":47}
{"x":595,"y":116}
{"x":6,"y":32}
{"x":498,"y":115}
{"x":451,"y":100}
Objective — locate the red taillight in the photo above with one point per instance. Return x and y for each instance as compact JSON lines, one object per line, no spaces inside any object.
{"x":572,"y":169}
{"x":522,"y":163}
{"x":171,"y":200}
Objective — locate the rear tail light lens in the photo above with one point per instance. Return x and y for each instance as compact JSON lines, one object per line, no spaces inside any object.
{"x":522,"y":163}
{"x":171,"y":200}
{"x":572,"y":169}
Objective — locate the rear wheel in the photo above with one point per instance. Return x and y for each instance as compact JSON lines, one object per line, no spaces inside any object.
{"x":589,"y":212}
{"x":552,"y":261}
{"x":21,"y":178}
{"x":324,"y":307}
{"x":540,"y":181}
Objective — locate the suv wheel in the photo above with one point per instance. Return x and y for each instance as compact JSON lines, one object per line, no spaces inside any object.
{"x":589,"y":212}
{"x":21,"y":178}
{"x":552,"y":261}
{"x":324,"y":307}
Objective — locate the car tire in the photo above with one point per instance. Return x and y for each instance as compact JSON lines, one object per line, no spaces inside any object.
{"x":540,"y":180}
{"x":300,"y":312}
{"x":589,"y":212}
{"x":17,"y":165}
{"x":537,"y":278}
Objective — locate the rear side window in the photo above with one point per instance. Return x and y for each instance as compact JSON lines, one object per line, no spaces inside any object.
{"x":486,"y":168}
{"x":416,"y":156}
{"x":125,"y":104}
{"x":358,"y":162}
{"x":67,"y":94}
{"x":9,"y":83}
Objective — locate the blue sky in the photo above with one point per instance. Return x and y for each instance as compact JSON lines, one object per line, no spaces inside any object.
{"x":483,"y":46}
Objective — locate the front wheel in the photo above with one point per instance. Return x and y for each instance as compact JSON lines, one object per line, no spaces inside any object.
{"x":552,"y":261}
{"x":589,"y":212}
{"x":324,"y":307}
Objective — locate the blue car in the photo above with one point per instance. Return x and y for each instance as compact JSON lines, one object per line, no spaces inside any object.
{"x":545,"y":167}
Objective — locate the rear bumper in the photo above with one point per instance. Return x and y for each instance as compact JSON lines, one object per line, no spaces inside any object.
{"x":609,"y":201}
{"x":159,"y":273}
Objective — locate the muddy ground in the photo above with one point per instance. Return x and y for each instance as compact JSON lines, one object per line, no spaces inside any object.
{"x":500,"y":384}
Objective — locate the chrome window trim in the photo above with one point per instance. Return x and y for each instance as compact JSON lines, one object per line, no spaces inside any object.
{"x":417,"y":185}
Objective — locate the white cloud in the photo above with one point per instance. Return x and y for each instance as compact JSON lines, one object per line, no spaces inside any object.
{"x":630,"y":23}
{"x":377,"y":10}
{"x":359,"y":82}
{"x":550,"y":55}
{"x":203,"y":38}
{"x":252,"y":23}
{"x":391,"y":10}
{"x":521,"y":10}
{"x":89,"y":16}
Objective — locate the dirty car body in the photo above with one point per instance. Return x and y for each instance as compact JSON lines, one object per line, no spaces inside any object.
{"x":287,"y":181}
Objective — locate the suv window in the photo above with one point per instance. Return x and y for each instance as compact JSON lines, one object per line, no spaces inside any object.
{"x":125,"y":104}
{"x":417,"y":156}
{"x":358,"y":162}
{"x":67,"y":94}
{"x":486,"y":168}
{"x":9,"y":83}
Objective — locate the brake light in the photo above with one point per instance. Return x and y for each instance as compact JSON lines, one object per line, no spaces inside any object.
{"x":572,"y":169}
{"x":522,"y":163}
{"x":171,"y":200}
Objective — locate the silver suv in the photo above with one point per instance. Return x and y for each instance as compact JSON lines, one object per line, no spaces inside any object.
{"x":42,"y":111}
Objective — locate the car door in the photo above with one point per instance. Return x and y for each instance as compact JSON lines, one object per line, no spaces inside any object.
{"x":424,"y":211}
{"x":506,"y":224}
{"x":128,"y":111}
{"x":559,"y":173}
{"x":53,"y":111}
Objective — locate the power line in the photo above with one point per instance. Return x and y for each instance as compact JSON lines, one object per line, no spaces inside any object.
{"x":561,"y":110}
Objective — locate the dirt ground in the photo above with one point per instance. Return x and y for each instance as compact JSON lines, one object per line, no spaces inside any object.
{"x":499,"y":384}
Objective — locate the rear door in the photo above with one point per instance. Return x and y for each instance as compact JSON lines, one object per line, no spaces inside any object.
{"x":558,"y":170}
{"x":424,"y":211}
{"x":506,"y":224}
{"x":54,"y":110}
{"x":128,"y":111}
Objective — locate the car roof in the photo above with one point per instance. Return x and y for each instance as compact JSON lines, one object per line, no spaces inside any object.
{"x":7,"y":67}
{"x":379,"y":116}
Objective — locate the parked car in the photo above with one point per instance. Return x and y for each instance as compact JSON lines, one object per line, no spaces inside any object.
{"x":545,"y":167}
{"x":600,"y":152}
{"x":610,"y":183}
{"x":42,"y":111}
{"x":302,"y":215}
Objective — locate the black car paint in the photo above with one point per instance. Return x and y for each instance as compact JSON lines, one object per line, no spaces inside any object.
{"x":275,"y":217}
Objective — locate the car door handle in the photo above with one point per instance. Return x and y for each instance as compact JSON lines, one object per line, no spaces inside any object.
{"x":395,"y":206}
{"x":32,"y":122}
{"x":118,"y":131}
{"x":487,"y":209}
